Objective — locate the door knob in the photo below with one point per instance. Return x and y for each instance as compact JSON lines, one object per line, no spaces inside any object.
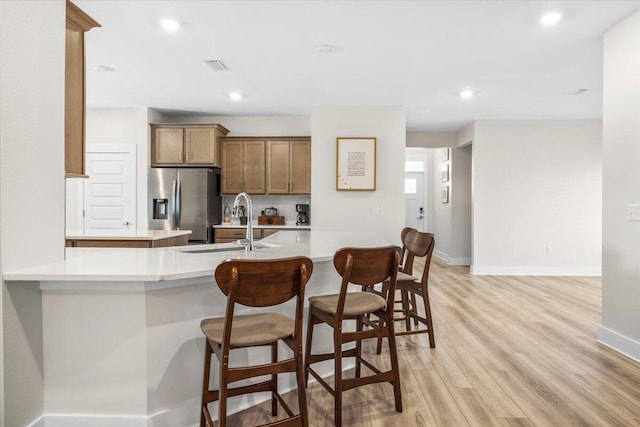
{"x":125,"y":223}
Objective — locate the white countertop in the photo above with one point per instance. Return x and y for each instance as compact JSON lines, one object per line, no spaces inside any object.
{"x":277,"y":227}
{"x":161,"y":264}
{"x":124,"y":234}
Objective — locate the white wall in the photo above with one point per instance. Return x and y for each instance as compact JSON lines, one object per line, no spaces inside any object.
{"x":441,"y":211}
{"x":352,"y":210}
{"x":621,"y":151}
{"x":254,"y":125}
{"x":32,"y":43}
{"x":537,"y":184}
{"x":115,"y":126}
{"x":431,"y":139}
{"x":460,"y":200}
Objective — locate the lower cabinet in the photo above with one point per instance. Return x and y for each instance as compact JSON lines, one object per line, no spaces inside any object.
{"x":228,"y":235}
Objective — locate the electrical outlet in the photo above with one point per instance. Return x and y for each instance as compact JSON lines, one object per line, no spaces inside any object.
{"x":375,"y":210}
{"x":549,"y":249}
{"x":633,"y":213}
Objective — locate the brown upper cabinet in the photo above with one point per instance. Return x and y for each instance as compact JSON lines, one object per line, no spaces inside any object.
{"x":289,"y":166}
{"x":243,"y":165}
{"x":78,"y":23}
{"x":182,"y":145}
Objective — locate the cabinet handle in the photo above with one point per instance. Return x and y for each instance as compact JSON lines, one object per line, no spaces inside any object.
{"x":180,"y":156}
{"x":188,"y":155}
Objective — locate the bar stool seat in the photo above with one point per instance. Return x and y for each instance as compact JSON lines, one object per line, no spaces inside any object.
{"x":355,"y":303}
{"x":251,"y":329}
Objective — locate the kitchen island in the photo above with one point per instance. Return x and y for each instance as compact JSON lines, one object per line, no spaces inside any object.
{"x":120,"y":327}
{"x":126,"y":238}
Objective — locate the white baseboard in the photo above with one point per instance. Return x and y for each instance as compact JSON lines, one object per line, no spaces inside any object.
{"x":97,"y":420}
{"x":620,"y":343}
{"x":37,"y":423}
{"x":91,"y":420}
{"x":490,"y":270}
{"x":450,"y":260}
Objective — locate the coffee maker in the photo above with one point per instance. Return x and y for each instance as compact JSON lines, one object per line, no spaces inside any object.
{"x":303,"y":215}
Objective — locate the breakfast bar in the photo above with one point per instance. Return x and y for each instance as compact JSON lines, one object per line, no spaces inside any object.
{"x":120,"y":326}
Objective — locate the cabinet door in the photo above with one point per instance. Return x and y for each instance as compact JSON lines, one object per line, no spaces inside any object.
{"x":200,"y":146}
{"x":254,"y":167}
{"x":300,"y":158}
{"x":278,"y":167}
{"x":167,"y":146}
{"x":232,"y":166}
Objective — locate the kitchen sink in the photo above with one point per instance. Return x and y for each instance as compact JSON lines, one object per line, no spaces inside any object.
{"x":228,"y":247}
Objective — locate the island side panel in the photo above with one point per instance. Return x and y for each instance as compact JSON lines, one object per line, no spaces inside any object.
{"x":95,"y":353}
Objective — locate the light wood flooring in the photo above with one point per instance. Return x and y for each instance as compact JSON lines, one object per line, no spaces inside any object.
{"x":510,"y":351}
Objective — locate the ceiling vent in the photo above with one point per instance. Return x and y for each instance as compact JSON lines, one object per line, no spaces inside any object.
{"x":578,"y":91}
{"x":217,"y":65}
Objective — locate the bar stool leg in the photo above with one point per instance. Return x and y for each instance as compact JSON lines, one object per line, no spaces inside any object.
{"x":222,"y":402}
{"x":205,"y":381}
{"x":427,"y":312}
{"x":307,"y":353}
{"x":406,"y":310}
{"x":302,"y":392}
{"x":394,"y":364}
{"x":414,"y":306}
{"x":359,"y":328}
{"x":337,"y":340}
{"x":274,"y":380}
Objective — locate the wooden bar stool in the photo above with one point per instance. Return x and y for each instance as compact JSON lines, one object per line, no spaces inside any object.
{"x":416,"y":244}
{"x":252,"y":283}
{"x":363,"y":267}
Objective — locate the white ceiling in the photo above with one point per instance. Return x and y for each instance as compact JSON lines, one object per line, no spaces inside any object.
{"x":410,"y":53}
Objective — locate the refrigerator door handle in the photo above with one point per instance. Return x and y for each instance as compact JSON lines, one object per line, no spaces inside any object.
{"x":178,"y":204}
{"x":174,"y":201}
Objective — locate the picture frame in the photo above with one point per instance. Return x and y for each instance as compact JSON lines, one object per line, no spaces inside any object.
{"x":445,"y":194}
{"x":444,"y":173}
{"x":445,"y":154}
{"x":356,"y":164}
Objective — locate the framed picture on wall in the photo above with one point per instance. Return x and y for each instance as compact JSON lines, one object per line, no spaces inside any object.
{"x":445,"y":154}
{"x":356,"y":164}
{"x":444,"y":174}
{"x":445,"y":194}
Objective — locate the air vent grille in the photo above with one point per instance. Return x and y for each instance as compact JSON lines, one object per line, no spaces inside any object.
{"x":216,"y":65}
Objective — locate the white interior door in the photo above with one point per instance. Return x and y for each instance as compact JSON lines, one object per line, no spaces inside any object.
{"x":414,"y":200}
{"x":110,"y":191}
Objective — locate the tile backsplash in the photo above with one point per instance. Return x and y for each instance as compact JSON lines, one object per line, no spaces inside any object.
{"x":286,"y":205}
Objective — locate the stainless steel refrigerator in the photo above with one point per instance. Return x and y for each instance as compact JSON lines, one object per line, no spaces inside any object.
{"x":185,"y":199}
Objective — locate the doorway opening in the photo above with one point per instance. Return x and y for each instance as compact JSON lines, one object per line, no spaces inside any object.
{"x":416,"y":188}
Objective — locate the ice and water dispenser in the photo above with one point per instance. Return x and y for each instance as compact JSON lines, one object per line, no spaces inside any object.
{"x":160,"y":208}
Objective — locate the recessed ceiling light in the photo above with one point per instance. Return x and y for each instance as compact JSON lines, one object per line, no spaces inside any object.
{"x":236,"y":96}
{"x":466,"y":94}
{"x":169,"y":24}
{"x":326,"y":49}
{"x":550,"y":18}
{"x":103,"y":69}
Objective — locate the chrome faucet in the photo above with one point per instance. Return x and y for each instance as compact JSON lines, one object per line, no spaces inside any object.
{"x":248,"y":242}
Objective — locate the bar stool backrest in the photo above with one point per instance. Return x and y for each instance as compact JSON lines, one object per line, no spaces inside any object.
{"x":406,"y":261}
{"x":366,"y":266}
{"x":263,"y":283}
{"x":419,"y":244}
